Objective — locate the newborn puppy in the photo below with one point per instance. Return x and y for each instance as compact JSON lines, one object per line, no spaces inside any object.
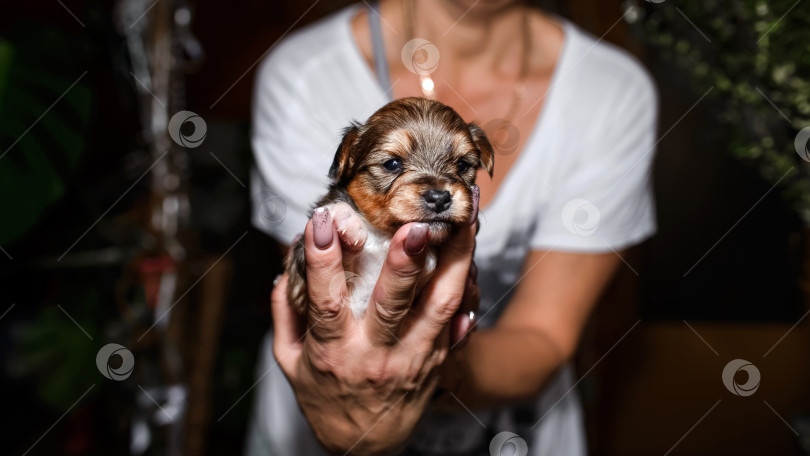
{"x":414,"y":160}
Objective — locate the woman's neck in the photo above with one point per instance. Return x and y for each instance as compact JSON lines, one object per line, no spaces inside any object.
{"x":490,"y":37}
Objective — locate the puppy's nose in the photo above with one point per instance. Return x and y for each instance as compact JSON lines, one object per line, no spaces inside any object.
{"x":437,"y":200}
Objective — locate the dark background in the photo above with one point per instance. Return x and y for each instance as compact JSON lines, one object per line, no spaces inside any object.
{"x":642,"y":394}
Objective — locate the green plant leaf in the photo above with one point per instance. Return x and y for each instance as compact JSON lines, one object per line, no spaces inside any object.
{"x":44,"y":113}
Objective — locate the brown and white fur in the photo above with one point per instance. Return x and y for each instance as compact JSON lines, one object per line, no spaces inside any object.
{"x":414,"y":160}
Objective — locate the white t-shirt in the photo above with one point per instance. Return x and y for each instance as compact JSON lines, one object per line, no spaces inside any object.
{"x":582,"y":184}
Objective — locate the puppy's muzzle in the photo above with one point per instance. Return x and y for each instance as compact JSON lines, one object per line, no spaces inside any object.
{"x":437,"y":201}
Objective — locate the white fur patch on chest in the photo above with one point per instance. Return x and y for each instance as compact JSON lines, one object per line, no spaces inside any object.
{"x":363,"y":270}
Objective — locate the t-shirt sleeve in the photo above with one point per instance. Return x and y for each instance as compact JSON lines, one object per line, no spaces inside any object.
{"x":291,"y":152}
{"x":605,"y":202}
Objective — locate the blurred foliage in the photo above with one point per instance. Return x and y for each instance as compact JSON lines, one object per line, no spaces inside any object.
{"x":44,"y":113}
{"x":752,"y":53}
{"x":55,"y":353}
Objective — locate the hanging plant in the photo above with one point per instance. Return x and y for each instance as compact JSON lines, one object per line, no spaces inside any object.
{"x":755,"y":55}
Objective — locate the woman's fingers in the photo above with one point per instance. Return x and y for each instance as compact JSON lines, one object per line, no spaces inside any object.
{"x":326,"y":281}
{"x":442,"y":296}
{"x":394,"y":292}
{"x":287,"y":330}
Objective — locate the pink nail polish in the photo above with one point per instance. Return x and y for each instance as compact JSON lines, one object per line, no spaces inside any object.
{"x":460,"y":332}
{"x":476,"y":194}
{"x":322,"y":227}
{"x":417,"y":238}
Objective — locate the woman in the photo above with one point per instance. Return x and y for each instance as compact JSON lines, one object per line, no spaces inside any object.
{"x":574,"y":122}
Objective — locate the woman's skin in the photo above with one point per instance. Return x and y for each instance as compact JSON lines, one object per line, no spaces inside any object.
{"x":363,"y":384}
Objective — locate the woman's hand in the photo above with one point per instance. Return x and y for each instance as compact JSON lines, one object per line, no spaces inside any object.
{"x":363,"y":383}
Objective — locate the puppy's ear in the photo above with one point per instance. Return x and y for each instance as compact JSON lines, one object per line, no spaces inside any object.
{"x":482,"y":143}
{"x":343,"y":161}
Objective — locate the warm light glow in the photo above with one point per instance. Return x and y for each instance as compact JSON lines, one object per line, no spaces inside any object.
{"x":427,"y":85}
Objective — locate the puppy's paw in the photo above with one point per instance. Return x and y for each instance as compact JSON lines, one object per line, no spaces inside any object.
{"x":295,"y":265}
{"x":350,"y":227}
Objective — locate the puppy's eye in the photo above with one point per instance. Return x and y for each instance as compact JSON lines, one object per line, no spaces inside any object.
{"x":393,"y":165}
{"x":463,"y":166}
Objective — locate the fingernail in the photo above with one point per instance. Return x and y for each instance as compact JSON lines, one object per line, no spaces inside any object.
{"x":322,"y":227}
{"x":476,"y":194}
{"x":462,"y":327}
{"x":474,"y":272}
{"x":417,"y":238}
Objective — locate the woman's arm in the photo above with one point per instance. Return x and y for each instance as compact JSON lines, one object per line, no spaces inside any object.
{"x":537,"y":333}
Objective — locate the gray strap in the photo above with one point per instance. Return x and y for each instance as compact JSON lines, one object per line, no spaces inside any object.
{"x":378,"y":48}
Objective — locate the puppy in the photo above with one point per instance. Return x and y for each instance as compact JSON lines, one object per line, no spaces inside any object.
{"x":414,"y":160}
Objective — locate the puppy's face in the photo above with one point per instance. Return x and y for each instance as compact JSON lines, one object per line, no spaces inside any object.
{"x":415,"y":160}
